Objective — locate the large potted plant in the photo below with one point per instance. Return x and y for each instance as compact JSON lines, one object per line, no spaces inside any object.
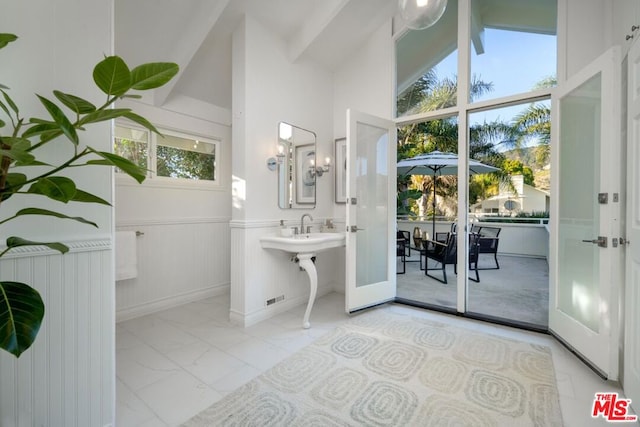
{"x":23,"y":169}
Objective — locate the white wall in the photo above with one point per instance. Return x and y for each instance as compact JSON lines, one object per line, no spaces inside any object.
{"x":67,"y":377}
{"x":183,"y":254}
{"x":267,"y":89}
{"x":584,"y":32}
{"x":365,"y":82}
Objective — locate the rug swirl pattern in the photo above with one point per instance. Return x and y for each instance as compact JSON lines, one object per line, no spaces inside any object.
{"x":385,"y":369}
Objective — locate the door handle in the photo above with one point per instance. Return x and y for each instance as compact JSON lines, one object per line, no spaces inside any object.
{"x":355,"y":228}
{"x":601,"y":241}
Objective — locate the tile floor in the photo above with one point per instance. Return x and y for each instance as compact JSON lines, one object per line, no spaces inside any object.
{"x":172,"y":364}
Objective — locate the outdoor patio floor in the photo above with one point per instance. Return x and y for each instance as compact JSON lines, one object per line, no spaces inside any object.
{"x":518,"y":291}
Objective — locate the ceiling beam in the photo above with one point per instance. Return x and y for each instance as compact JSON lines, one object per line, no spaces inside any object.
{"x":321,"y":17}
{"x":187,"y":46}
{"x":477,"y":28}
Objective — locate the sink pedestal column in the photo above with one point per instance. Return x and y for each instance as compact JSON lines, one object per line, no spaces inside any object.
{"x":305,"y":262}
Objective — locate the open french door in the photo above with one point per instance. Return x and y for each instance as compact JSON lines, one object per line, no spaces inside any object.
{"x":631,"y":379}
{"x":371,"y":210}
{"x":585,"y":221}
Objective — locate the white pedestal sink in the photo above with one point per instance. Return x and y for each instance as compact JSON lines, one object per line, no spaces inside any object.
{"x":305,"y":247}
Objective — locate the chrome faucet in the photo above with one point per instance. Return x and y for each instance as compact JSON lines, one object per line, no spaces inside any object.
{"x":302,"y":222}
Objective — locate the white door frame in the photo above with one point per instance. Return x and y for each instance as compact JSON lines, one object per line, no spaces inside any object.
{"x":631,"y":377}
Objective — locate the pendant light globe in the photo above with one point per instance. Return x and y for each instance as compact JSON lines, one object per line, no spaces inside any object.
{"x":421,"y":14}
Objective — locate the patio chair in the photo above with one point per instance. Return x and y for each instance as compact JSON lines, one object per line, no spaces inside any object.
{"x":401,"y":252}
{"x":488,"y":242}
{"x":440,"y":237}
{"x":406,"y":236}
{"x":446,"y":253}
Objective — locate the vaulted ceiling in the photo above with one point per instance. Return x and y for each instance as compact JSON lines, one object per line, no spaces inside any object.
{"x":196,"y":34}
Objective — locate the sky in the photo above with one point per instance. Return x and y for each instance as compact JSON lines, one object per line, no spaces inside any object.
{"x":513,"y":61}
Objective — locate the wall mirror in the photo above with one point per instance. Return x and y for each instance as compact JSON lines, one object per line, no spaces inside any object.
{"x":296,"y":167}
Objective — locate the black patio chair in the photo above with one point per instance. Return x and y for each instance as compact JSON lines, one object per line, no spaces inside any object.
{"x":401,"y":252}
{"x":488,"y":242}
{"x":406,"y":236}
{"x":446,"y":253}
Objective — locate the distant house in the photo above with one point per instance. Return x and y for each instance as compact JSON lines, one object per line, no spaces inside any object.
{"x":520,"y":197}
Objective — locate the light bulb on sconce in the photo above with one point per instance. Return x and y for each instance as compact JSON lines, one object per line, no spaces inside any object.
{"x":273,"y":162}
{"x":320,"y":170}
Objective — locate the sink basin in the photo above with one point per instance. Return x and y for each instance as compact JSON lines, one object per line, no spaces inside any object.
{"x":304,"y":243}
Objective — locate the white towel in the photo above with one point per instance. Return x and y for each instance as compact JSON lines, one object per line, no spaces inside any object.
{"x":126,"y":255}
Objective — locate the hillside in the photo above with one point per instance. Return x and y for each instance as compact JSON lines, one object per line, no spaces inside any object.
{"x":527,"y":156}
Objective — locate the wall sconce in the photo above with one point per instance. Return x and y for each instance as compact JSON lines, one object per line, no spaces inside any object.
{"x":320,"y":170}
{"x":273,"y":162}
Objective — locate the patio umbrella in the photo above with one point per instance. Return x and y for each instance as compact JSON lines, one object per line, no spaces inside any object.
{"x":440,"y":163}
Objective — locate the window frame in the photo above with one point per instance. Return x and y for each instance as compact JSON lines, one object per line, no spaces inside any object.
{"x":464,"y":108}
{"x":153,"y":179}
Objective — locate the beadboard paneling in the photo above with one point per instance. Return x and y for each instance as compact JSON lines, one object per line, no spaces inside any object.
{"x":67,"y":377}
{"x":178,"y":261}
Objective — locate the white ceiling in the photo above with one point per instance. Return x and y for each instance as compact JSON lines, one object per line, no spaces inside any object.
{"x":196,"y":34}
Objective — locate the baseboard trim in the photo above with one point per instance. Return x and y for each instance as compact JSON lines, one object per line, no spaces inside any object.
{"x":170,"y":302}
{"x":246,"y":320}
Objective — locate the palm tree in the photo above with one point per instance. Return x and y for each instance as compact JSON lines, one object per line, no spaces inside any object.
{"x":429,"y":94}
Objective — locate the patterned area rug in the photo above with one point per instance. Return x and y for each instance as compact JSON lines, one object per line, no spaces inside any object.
{"x":384,"y":369}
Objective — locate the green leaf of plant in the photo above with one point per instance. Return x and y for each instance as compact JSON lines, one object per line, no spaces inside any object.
{"x":14,"y":183}
{"x":152,"y":75}
{"x":33,"y":162}
{"x":18,"y":155}
{"x":141,"y":121}
{"x":17,"y":143}
{"x":5,"y":39}
{"x":84,"y":197}
{"x":16,"y":242}
{"x":10,"y":102}
{"x":63,"y":122}
{"x":99,"y":162}
{"x":46,"y":212}
{"x":102,"y":115}
{"x":74,"y":103}
{"x":40,"y":121}
{"x":57,"y":188}
{"x":44,"y":130}
{"x":125,"y":165}
{"x":21,"y":314}
{"x":2,"y":124}
{"x":112,"y":76}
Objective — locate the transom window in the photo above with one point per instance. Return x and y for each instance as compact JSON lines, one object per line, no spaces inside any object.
{"x":510,"y":49}
{"x":170,"y":155}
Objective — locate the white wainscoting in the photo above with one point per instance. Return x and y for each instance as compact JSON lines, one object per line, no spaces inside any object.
{"x":179,"y":261}
{"x":67,"y":377}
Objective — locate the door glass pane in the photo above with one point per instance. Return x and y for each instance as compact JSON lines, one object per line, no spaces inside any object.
{"x":513,"y":47}
{"x":372,"y":209}
{"x":427,"y":66}
{"x":578,"y":262}
{"x":427,"y":210}
{"x":509,"y":213}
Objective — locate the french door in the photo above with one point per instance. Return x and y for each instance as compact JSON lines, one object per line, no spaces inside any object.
{"x":371,"y":211}
{"x":632,"y":292}
{"x":585,"y":218}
